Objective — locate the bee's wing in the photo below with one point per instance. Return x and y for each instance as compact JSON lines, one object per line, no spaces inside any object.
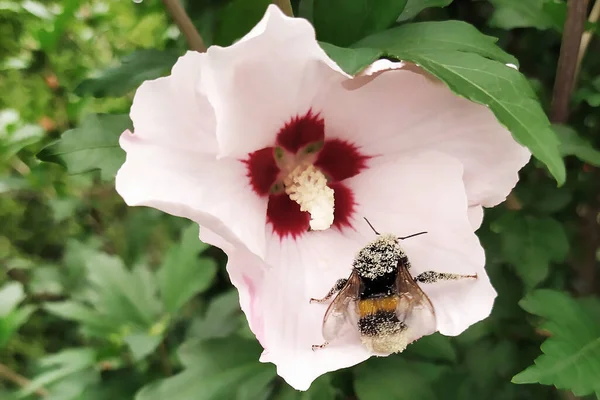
{"x":339,"y":310}
{"x":414,"y":307}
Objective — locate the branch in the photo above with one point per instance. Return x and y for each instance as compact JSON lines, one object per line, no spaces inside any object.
{"x":285,"y":6}
{"x":185,"y":25}
{"x":19,"y":380}
{"x":587,"y":36}
{"x":567,"y":61}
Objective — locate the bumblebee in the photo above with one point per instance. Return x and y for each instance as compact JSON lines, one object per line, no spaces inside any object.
{"x":382,"y":299}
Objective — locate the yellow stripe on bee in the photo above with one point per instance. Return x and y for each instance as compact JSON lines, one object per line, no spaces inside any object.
{"x":371,"y":306}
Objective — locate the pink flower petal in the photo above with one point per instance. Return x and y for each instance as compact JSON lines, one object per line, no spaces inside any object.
{"x":411,"y":194}
{"x":171,"y":113}
{"x":404,"y":109}
{"x":425,"y":193}
{"x":214,"y":193}
{"x":475,"y":214}
{"x":258,"y":84}
{"x":275,"y":298}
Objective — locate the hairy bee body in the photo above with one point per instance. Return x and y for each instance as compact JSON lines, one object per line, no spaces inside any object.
{"x":382,"y":298}
{"x":377,"y":268}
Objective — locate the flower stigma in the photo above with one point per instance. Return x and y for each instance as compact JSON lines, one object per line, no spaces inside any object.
{"x":307,"y":186}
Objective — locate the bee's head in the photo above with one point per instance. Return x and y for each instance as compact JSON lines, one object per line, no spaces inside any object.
{"x":379,"y":257}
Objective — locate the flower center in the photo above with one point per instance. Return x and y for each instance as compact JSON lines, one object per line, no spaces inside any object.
{"x":303,"y":175}
{"x":307,"y":186}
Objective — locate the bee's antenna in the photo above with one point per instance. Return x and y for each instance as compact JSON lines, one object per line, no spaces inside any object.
{"x":377,"y":233}
{"x":413,"y":235}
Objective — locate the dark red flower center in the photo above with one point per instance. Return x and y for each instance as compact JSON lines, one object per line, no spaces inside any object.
{"x":302,"y":141}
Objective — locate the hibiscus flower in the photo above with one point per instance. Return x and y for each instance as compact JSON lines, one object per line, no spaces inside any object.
{"x":279,"y":155}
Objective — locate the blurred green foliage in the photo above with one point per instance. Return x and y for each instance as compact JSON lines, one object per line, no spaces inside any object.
{"x":71,"y":252}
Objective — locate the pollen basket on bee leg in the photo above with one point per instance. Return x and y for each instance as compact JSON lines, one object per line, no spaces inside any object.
{"x":307,"y":186}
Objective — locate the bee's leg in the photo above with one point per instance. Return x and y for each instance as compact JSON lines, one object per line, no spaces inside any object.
{"x":339,"y":285}
{"x":432,"y":277}
{"x":316,"y":347}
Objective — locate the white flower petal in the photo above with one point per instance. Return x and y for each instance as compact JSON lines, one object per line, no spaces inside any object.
{"x":425,"y":192}
{"x":171,"y":113}
{"x":475,"y":214}
{"x":404,"y":110}
{"x":275,"y":298}
{"x":412,"y":194}
{"x":259,"y":83}
{"x":214,"y":193}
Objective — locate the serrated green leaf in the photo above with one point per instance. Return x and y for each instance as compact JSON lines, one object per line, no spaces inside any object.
{"x":343,"y":22}
{"x":473,"y":67}
{"x":113,"y":282}
{"x":431,"y":37}
{"x":142,"y":344}
{"x":11,"y":294}
{"x":352,"y":61}
{"x":221,"y":317}
{"x":531,"y":243}
{"x":510,"y":14}
{"x":215,"y":369}
{"x":94,"y":145}
{"x":61,"y":366}
{"x":238,"y":18}
{"x":183,"y":274}
{"x":92,"y":322}
{"x":10,"y":323}
{"x":134,"y":69}
{"x":394,"y":377}
{"x":414,"y":7}
{"x":571,"y":144}
{"x":434,"y":347}
{"x":571,"y":358}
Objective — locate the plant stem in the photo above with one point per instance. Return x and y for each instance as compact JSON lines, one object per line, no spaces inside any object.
{"x":10,"y":375}
{"x":587,"y":36}
{"x":185,"y":25}
{"x":567,"y":61}
{"x":285,"y":6}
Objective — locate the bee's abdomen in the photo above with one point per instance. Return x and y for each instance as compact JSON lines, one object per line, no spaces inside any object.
{"x":377,"y":316}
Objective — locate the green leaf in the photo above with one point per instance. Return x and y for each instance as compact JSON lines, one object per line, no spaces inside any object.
{"x":321,"y":389}
{"x":510,"y":14}
{"x":11,"y":294}
{"x":571,"y":144}
{"x":352,"y":61}
{"x":414,"y":7}
{"x":343,"y":22}
{"x":12,"y":317}
{"x":473,"y":67}
{"x":571,"y":358}
{"x":139,"y":66}
{"x":183,"y":274}
{"x":142,"y":344}
{"x":94,"y":145}
{"x":221,"y":317}
{"x":215,"y":369}
{"x":398,"y":379}
{"x":530,"y":244}
{"x":430,"y":38}
{"x":238,"y":18}
{"x":434,"y":347}
{"x":61,"y":366}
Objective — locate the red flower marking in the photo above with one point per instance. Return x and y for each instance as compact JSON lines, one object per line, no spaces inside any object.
{"x":262,"y":170}
{"x":340,"y":160}
{"x":285,"y":216}
{"x":344,"y":205}
{"x":301,"y":131}
{"x":337,"y":158}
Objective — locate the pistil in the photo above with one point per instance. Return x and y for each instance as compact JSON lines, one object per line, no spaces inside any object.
{"x":307,"y":186}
